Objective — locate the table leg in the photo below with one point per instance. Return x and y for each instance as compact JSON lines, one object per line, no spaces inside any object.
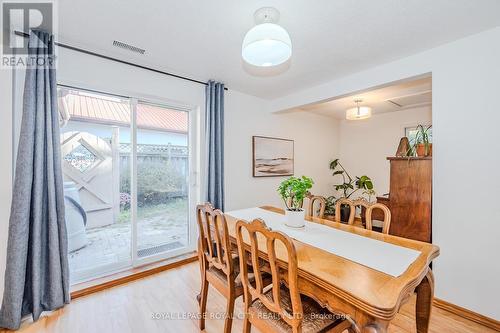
{"x":374,"y":329}
{"x":425,"y":295}
{"x":366,"y":324}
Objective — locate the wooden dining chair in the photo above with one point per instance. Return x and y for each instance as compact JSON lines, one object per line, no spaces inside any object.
{"x":369,"y":207}
{"x":347,"y":202}
{"x":313,"y":201}
{"x":314,"y":211}
{"x":219,"y":265}
{"x":278,"y":308}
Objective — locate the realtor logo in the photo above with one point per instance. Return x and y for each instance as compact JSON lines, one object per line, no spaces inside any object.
{"x":23,"y":17}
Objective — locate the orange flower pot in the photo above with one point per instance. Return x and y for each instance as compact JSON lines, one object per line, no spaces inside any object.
{"x":421,"y":150}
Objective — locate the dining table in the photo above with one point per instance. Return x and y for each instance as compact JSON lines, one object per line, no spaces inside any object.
{"x":364,"y":275}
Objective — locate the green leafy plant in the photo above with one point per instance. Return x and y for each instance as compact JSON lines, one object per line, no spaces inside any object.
{"x":293,"y":191}
{"x":157,"y":183}
{"x":330,"y":205}
{"x":349,"y":185}
{"x":369,"y":193}
{"x":422,"y":137}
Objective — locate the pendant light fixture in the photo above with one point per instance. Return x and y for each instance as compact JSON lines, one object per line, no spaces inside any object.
{"x":359,"y":112}
{"x":267,"y":44}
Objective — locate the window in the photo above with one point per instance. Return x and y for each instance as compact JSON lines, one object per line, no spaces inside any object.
{"x":411,"y":132}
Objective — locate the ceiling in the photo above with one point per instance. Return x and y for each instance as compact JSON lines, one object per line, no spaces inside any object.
{"x":397,"y":97}
{"x":202,"y":39}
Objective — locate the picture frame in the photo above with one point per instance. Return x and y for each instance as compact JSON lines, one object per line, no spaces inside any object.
{"x":272,"y":157}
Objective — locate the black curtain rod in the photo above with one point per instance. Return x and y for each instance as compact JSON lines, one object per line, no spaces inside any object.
{"x":77,"y":49}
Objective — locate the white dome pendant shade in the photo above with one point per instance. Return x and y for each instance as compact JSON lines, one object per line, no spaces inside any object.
{"x":267,"y":44}
{"x":359,"y":112}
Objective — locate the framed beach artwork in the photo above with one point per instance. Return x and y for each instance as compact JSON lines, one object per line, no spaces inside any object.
{"x":272,"y":157}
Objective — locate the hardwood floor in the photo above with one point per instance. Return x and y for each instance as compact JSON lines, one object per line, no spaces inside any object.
{"x":144,"y":305}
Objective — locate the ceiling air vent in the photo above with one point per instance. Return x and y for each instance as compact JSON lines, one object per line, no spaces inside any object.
{"x":128,"y":47}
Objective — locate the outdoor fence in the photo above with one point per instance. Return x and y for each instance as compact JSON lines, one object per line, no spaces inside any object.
{"x":162,"y":171}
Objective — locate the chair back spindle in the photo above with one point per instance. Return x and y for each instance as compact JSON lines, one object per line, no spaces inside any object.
{"x":257,"y":230}
{"x":338,"y":205}
{"x":314,"y":211}
{"x":214,"y":240}
{"x":387,"y":217}
{"x":369,"y":207}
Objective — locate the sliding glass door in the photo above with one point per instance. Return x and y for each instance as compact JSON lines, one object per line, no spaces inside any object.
{"x":162,"y":179}
{"x":126,"y":166}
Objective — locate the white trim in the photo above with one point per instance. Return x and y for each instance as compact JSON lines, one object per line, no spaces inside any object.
{"x":194,"y":146}
{"x":133,"y":180}
{"x":193,"y":188}
{"x":148,"y":99}
{"x":86,"y":275}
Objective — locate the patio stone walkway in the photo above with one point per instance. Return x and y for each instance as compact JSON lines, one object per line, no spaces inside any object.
{"x":111,"y":244}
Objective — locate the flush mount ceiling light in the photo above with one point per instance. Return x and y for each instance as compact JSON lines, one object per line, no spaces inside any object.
{"x":359,"y":112}
{"x":267,"y":44}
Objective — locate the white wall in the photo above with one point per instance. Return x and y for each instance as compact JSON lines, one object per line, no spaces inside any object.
{"x":466,"y":209}
{"x":365,"y":144}
{"x":316,"y":143}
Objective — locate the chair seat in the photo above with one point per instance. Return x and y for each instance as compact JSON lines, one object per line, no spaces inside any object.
{"x":378,"y":224}
{"x":237,"y":281}
{"x":222,"y":276}
{"x":316,"y":319}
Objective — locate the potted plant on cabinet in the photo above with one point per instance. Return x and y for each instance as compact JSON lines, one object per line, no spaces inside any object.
{"x":348,"y":187}
{"x":420,"y":144}
{"x":293,"y":191}
{"x":423,"y":146}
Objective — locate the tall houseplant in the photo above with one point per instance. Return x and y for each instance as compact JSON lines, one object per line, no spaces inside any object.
{"x":348,"y":186}
{"x":293,"y":191}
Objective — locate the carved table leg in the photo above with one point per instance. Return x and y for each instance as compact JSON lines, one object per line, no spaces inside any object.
{"x":365,"y":324}
{"x":425,"y":295}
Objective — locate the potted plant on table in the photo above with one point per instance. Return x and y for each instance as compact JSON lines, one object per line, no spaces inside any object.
{"x":293,"y":191}
{"x":348,"y":187}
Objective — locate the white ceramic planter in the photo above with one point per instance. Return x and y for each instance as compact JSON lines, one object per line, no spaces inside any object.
{"x":295,"y":219}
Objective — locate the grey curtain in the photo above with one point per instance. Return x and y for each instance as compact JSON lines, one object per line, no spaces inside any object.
{"x":214,"y":130}
{"x":37,"y":272}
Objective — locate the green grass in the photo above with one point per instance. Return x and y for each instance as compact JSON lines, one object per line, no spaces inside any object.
{"x":176,"y":208}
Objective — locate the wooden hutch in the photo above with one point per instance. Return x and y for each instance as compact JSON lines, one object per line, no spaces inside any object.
{"x":410,"y":197}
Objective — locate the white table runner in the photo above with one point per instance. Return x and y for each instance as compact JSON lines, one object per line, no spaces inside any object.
{"x":381,"y":256}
